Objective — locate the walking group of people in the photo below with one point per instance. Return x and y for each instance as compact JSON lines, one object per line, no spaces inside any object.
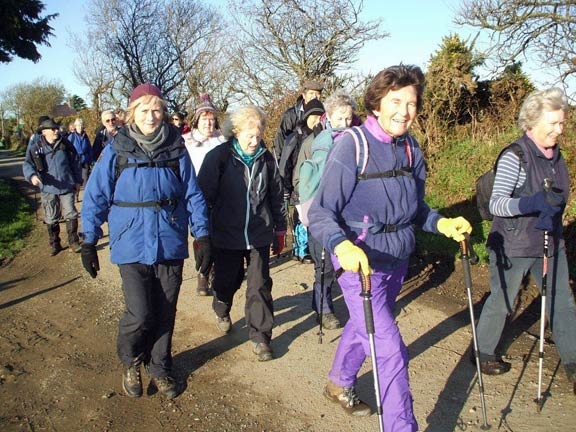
{"x":156,"y":183}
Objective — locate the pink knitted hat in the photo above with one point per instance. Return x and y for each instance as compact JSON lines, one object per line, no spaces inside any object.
{"x":204,"y":105}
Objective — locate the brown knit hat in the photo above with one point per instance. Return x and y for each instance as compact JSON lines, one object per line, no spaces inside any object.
{"x":145,"y":90}
{"x":204,"y":105}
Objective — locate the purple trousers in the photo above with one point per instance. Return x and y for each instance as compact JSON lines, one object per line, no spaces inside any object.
{"x":391,"y":353}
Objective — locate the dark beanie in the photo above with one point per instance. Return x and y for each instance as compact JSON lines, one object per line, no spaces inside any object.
{"x":314,"y":107}
{"x":145,"y":90}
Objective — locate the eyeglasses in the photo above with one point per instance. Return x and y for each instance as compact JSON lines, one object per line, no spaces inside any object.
{"x":110,"y":120}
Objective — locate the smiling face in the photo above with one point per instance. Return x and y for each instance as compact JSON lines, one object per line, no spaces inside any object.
{"x":341,"y":117}
{"x":398,"y":109}
{"x":548,"y":128}
{"x":149,"y":116}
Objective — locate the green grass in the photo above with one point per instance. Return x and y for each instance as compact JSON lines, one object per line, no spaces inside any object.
{"x":16,"y":220}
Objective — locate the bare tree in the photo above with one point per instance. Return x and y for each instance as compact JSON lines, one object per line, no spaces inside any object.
{"x":31,"y":100}
{"x":172,"y":43}
{"x":546,"y":28}
{"x":280,"y":43}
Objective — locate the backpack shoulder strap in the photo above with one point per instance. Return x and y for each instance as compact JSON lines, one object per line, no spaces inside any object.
{"x":122,"y":163}
{"x":362,"y":152}
{"x":517,"y":149}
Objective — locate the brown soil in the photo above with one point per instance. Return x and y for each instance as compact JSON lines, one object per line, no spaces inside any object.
{"x":59,"y":371}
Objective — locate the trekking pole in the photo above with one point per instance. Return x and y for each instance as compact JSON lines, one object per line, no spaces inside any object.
{"x":322,"y":267}
{"x":468,"y":256}
{"x":366,"y":294}
{"x":547,"y":187}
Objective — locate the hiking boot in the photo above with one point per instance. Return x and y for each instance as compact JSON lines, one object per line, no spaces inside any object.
{"x":224,"y":324}
{"x":132,"y":380}
{"x":168,"y":386}
{"x":75,"y":247}
{"x":55,"y":249}
{"x":347,"y":398}
{"x":494,"y":367}
{"x":329,"y":321}
{"x":203,"y":288}
{"x":263,"y":351}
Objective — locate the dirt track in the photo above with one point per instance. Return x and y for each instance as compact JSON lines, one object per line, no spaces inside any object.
{"x":59,"y":371}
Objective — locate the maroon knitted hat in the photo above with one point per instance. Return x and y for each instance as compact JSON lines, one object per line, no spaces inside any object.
{"x":145,"y":90}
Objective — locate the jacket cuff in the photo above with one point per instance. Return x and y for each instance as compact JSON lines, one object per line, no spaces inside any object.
{"x":334,"y":241}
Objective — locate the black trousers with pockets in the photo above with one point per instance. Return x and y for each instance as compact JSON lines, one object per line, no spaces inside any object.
{"x":146,"y":327}
{"x":228,"y":276}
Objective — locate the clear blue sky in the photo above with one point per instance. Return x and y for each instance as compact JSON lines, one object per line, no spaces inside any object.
{"x":416,"y":30}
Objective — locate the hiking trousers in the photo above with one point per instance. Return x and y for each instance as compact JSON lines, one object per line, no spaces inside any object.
{"x":146,"y":327}
{"x":506,"y":275}
{"x":391,"y":352}
{"x":228,"y":277}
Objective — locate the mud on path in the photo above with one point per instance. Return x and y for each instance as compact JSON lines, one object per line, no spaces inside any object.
{"x":59,"y":371}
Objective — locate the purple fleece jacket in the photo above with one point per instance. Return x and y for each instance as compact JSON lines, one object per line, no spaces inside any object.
{"x":395,"y":200}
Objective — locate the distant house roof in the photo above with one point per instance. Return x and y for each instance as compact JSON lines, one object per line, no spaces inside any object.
{"x":64,"y":111}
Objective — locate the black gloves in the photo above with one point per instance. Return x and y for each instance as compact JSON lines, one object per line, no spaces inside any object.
{"x":204,"y":256}
{"x":90,"y":259}
{"x":541,"y":202}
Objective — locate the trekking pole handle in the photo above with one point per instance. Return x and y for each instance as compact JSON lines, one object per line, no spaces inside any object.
{"x":467,"y":251}
{"x":367,"y":303}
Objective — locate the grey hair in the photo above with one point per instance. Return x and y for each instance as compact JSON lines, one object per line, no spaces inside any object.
{"x":340,"y":98}
{"x":537,"y":103}
{"x":79,"y":121}
{"x":247,"y":116}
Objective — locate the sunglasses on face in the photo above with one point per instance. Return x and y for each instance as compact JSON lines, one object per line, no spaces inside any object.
{"x":110,"y":120}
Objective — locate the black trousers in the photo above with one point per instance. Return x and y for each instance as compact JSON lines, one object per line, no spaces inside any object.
{"x":228,"y":276}
{"x":146,"y":327}
{"x":329,"y":277}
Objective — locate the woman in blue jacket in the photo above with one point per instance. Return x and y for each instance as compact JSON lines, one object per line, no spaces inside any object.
{"x":144,"y":186}
{"x":368,"y":225}
{"x":81,"y":142}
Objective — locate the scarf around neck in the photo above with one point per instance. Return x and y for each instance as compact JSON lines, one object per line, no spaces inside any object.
{"x":248,"y":159}
{"x":149,"y":143}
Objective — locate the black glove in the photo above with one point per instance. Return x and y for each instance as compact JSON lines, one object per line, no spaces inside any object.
{"x":541,"y":202}
{"x":90,"y":259}
{"x":204,"y":255}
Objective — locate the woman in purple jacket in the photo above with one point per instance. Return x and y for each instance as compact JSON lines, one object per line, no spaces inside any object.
{"x":368,"y":225}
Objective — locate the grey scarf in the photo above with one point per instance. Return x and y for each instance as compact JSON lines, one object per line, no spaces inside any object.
{"x":149,"y":143}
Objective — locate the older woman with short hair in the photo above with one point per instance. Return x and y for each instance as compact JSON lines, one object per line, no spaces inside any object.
{"x":523,"y":209}
{"x":145,"y":188}
{"x":243,"y":190}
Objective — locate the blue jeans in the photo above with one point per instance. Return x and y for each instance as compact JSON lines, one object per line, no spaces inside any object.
{"x":506,"y":276}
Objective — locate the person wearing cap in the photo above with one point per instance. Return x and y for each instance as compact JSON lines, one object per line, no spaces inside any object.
{"x":179,"y":121}
{"x":313,"y":111}
{"x":204,"y":136}
{"x":243,"y":189}
{"x":81,"y":142}
{"x":144,"y":186}
{"x":311,"y":89}
{"x":52,"y":164}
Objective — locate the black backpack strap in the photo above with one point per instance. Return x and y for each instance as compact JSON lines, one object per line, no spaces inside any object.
{"x":404,"y":171}
{"x":517,"y":149}
{"x":122,"y":163}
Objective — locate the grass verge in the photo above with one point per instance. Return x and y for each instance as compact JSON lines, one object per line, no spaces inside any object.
{"x":16,"y":220}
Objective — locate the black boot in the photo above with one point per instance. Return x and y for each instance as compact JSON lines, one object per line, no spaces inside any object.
{"x":54,"y":238}
{"x":132,"y":380}
{"x":72,"y":230}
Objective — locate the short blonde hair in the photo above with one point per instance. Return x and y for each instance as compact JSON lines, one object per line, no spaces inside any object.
{"x":242,"y":118}
{"x":537,"y":103}
{"x":146,"y":99}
